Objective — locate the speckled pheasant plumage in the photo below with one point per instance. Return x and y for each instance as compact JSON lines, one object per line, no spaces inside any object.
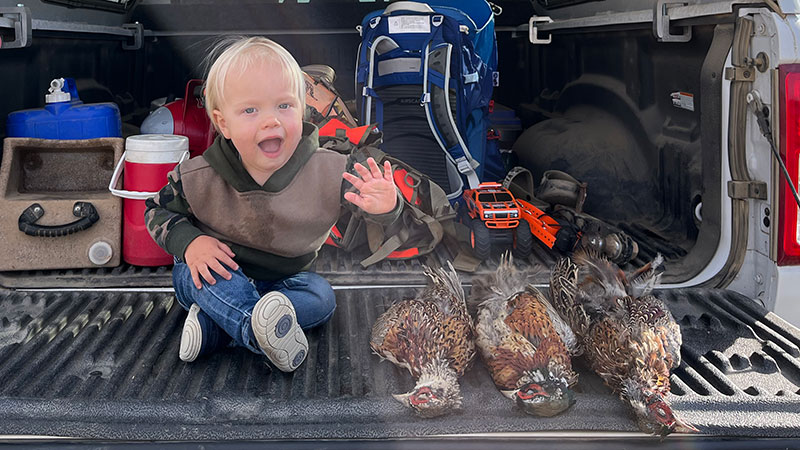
{"x":523,"y":341}
{"x":628,"y":336}
{"x":432,"y":336}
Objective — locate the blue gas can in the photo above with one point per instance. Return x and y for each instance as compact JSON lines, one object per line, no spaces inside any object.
{"x":65,"y":117}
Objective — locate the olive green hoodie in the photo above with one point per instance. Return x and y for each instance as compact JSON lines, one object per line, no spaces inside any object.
{"x":275,"y":230}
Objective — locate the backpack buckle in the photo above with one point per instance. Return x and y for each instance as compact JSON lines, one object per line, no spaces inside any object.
{"x":464,"y":165}
{"x":367,"y":91}
{"x":426,"y":98}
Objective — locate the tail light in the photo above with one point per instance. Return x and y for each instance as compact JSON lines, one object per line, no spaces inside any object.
{"x":788,"y":229}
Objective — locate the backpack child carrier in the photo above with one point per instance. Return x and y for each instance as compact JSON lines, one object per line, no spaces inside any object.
{"x":425,"y":74}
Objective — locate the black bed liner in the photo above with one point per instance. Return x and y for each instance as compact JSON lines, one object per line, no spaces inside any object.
{"x":104,"y":365}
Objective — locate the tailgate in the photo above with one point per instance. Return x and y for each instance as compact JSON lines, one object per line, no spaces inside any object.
{"x":104,"y":365}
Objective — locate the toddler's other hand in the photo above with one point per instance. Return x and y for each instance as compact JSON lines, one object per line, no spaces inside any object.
{"x":206,"y":252}
{"x":376,"y":191}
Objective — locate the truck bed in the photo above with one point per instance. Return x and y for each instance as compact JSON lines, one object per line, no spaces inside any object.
{"x":104,"y":365}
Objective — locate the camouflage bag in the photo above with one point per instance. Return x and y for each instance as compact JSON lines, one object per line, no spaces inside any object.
{"x":427,"y":218}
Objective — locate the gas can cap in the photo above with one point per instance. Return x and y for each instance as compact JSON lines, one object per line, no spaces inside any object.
{"x":100,"y":253}
{"x":57,"y":94}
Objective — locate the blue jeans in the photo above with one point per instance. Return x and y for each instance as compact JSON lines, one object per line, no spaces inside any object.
{"x":229,"y":303}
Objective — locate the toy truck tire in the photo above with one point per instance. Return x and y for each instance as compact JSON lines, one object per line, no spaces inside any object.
{"x":523,"y":241}
{"x":480,"y":239}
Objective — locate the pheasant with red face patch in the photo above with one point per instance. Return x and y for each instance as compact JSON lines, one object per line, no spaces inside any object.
{"x":523,"y":341}
{"x":629,"y":337}
{"x":432,"y":336}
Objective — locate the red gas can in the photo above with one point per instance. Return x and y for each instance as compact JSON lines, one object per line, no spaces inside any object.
{"x":147,"y":160}
{"x":186,"y":117}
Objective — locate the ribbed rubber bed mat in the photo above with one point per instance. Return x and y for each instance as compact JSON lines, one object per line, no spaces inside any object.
{"x":105,"y":365}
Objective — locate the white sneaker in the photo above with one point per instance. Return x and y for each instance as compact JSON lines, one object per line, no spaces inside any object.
{"x":277,"y":332}
{"x":200,"y":335}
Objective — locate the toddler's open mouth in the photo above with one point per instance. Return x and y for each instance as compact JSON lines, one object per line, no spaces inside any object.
{"x":270,"y":146}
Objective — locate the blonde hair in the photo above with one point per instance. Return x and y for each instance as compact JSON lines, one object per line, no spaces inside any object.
{"x":240,"y":52}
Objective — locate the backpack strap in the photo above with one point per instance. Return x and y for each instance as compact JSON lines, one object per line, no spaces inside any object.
{"x":348,"y":240}
{"x":436,"y":100}
{"x":358,"y":136}
{"x":381,"y":248}
{"x":380,"y":45}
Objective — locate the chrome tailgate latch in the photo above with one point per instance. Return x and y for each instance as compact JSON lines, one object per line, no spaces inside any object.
{"x":661,"y":27}
{"x":17,"y":18}
{"x":533,"y":30}
{"x":137,"y":32}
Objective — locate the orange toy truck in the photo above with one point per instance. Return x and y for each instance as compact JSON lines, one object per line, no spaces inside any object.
{"x":494,"y":220}
{"x":497,"y":218}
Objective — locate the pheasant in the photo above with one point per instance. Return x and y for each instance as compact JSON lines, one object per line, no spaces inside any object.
{"x":628,"y":336}
{"x":432,"y":336}
{"x":523,"y":341}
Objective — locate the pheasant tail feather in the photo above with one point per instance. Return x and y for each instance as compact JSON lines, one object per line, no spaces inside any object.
{"x":563,"y":289}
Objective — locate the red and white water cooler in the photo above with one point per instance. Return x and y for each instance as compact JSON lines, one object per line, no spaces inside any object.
{"x":147,"y":160}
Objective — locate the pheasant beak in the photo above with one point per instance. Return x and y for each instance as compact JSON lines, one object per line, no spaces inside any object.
{"x":510,"y":394}
{"x":678,"y":426}
{"x":683,"y":427}
{"x":402,"y":398}
{"x":415,"y":398}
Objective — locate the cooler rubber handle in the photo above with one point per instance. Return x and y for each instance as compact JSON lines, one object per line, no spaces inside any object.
{"x":132,"y":195}
{"x":85,"y":210}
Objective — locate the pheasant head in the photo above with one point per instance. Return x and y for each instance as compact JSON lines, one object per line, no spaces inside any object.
{"x":436,"y":393}
{"x":653,"y":413}
{"x":542,"y":392}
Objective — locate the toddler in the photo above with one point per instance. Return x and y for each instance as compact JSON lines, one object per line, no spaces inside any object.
{"x":245,"y":221}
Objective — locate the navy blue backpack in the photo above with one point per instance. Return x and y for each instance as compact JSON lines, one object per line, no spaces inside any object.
{"x":425,"y":73}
